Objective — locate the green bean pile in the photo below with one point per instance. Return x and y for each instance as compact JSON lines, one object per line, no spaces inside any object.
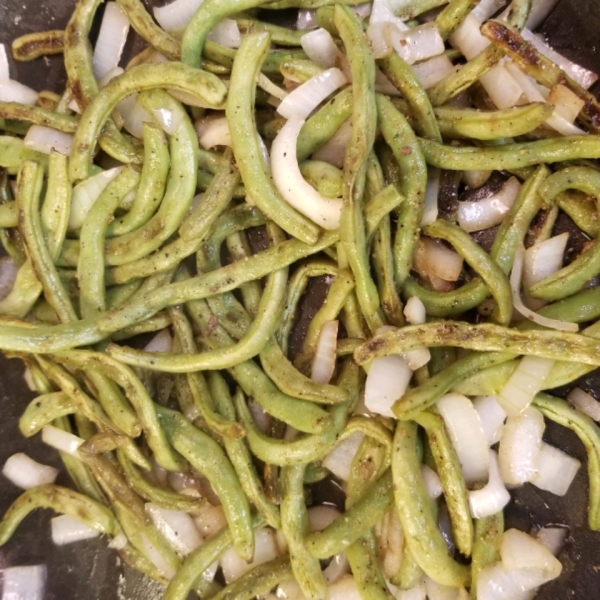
{"x":227,"y":277}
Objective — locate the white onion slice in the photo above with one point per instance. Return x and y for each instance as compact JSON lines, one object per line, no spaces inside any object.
{"x":8,"y":276}
{"x":363,"y":10}
{"x":24,"y":583}
{"x":209,"y":520}
{"x":86,"y":193}
{"x":432,"y":482}
{"x":177,"y":527}
{"x":61,"y":440}
{"x":414,"y":311}
{"x":544,"y":259}
{"x":334,"y":151}
{"x":468,"y":38}
{"x":524,"y":383}
{"x":157,"y":559}
{"x":4,"y":69}
{"x":556,"y":470}
{"x":417,"y":43}
{"x":387,"y":381}
{"x":433,"y":258}
{"x":436,"y":591}
{"x":431,"y":71}
{"x":553,"y":538}
{"x":492,"y":498}
{"x":492,"y":417}
{"x":486,"y":9}
{"x":307,"y":19}
{"x":432,"y":191}
{"x":169,"y":121}
{"x":265,"y":550}
{"x":161,"y":342}
{"x":490,"y":211}
{"x":45,"y":139}
{"x":133,"y":114}
{"x":495,"y":583}
{"x":119,"y":541}
{"x":384,"y":86}
{"x":540,"y":9}
{"x":290,"y":183}
{"x":582,"y":76}
{"x":585,"y":403}
{"x":213,"y":132}
{"x":339,"y":460}
{"x":111,"y":39}
{"x":176,"y":14}
{"x":306,"y":97}
{"x":320,"y":48}
{"x":518,"y":550}
{"x":467,"y":436}
{"x":520,"y":445}
{"x":323,"y":364}
{"x":502,"y":87}
{"x":383,"y":13}
{"x":567,"y":104}
{"x":336,"y":569}
{"x":67,"y":529}
{"x":226,"y":33}
{"x":343,"y":589}
{"x":515,"y":283}
{"x":26,"y":473}
{"x":322,"y":516}
{"x":13,"y":91}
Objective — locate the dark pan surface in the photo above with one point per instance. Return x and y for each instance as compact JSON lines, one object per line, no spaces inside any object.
{"x":88,"y":570}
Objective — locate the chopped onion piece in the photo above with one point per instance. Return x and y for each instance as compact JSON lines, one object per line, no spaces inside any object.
{"x":45,"y":139}
{"x":553,"y":538}
{"x":495,"y":583}
{"x":13,"y":91}
{"x":544,"y":259}
{"x":432,"y":482}
{"x":226,"y":33}
{"x":468,"y":38}
{"x":467,"y":436}
{"x":320,"y":48}
{"x":323,"y":364}
{"x":515,"y":283}
{"x":387,"y":381}
{"x":432,"y":257}
{"x":307,"y":19}
{"x":582,"y":76}
{"x":384,"y":86}
{"x":322,"y":516}
{"x":8,"y":275}
{"x":524,"y":383}
{"x":568,"y":105}
{"x":209,"y":520}
{"x":430,"y":210}
{"x":4,"y":69}
{"x":119,"y":541}
{"x":177,"y":14}
{"x":161,"y":342}
{"x":540,"y":9}
{"x":415,"y":359}
{"x":265,"y":550}
{"x":24,"y":583}
{"x":213,"y":132}
{"x":168,"y":120}
{"x":336,"y":569}
{"x":520,"y":445}
{"x":486,"y":9}
{"x":584,"y":403}
{"x":518,"y":550}
{"x":290,"y":183}
{"x":67,"y":529}
{"x":111,"y":39}
{"x":306,"y":97}
{"x":334,"y":151}
{"x":475,"y":216}
{"x":492,"y":498}
{"x":134,"y":115}
{"x":502,"y":87}
{"x":492,"y":417}
{"x":436,"y":591}
{"x":556,"y":470}
{"x":379,"y":38}
{"x":417,"y":43}
{"x":383,"y":12}
{"x":339,"y":460}
{"x":26,"y":473}
{"x":177,"y":527}
{"x":363,"y":10}
{"x":414,"y":311}
{"x":157,"y":559}
{"x":61,"y":440}
{"x":431,"y":71}
{"x":343,"y":589}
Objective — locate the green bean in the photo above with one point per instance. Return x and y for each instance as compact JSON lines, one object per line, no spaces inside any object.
{"x":453,"y":482}
{"x":61,"y":500}
{"x":582,"y":211}
{"x":33,"y":45}
{"x":43,"y":409}
{"x":355,"y":522}
{"x":13,"y":152}
{"x":282,"y":36}
{"x":300,"y":70}
{"x":103,"y":442}
{"x":208,"y":458}
{"x":405,"y":148}
{"x":490,"y":125}
{"x":489,"y":271}
{"x":201,"y":559}
{"x":450,"y":18}
{"x":403,"y":77}
{"x":381,"y":205}
{"x":365,"y":568}
{"x":240,"y":116}
{"x":586,"y":429}
{"x":258,"y":581}
{"x":486,"y":549}
{"x":414,"y":509}
{"x":8,"y":215}
{"x":325,"y":178}
{"x":295,"y":525}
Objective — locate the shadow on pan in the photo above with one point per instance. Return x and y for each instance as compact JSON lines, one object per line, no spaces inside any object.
{"x":89,"y":570}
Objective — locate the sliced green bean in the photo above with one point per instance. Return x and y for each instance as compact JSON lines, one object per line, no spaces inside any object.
{"x":450,"y":18}
{"x":43,"y":409}
{"x":362,"y":557}
{"x":486,"y":549}
{"x":33,"y":45}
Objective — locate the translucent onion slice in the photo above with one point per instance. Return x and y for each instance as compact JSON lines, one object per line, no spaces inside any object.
{"x":518,"y":550}
{"x":431,"y":71}
{"x":213,"y":132}
{"x":61,"y":440}
{"x":339,"y":460}
{"x":544,"y":259}
{"x":45,"y":139}
{"x":553,"y":538}
{"x":432,"y":482}
{"x":111,"y":39}
{"x":503,"y":88}
{"x":485,"y":213}
{"x":322,"y":516}
{"x":176,"y":14}
{"x":290,"y":183}
{"x":585,"y":403}
{"x":161,"y":342}
{"x":492,"y":417}
{"x":520,"y":446}
{"x":177,"y":527}
{"x":13,"y":91}
{"x":67,"y":529}
{"x":524,"y":383}
{"x":119,"y":541}
{"x":387,"y":381}
{"x":344,"y":589}
{"x":4,"y":69}
{"x":433,"y":258}
{"x":414,"y":311}
{"x":336,"y":569}
{"x":495,"y":583}
{"x":492,"y":498}
{"x":486,"y":9}
{"x":8,"y":275}
{"x":323,"y":364}
{"x":306,"y":97}
{"x":540,"y":9}
{"x":432,"y":191}
{"x":556,"y":470}
{"x":566,"y":102}
{"x":26,"y":473}
{"x":226,"y":33}
{"x":24,"y":583}
{"x":468,"y":38}
{"x":320,"y":48}
{"x":334,"y":151}
{"x":417,"y":43}
{"x":307,"y":19}
{"x":436,"y":591}
{"x":265,"y":550}
{"x":468,"y":438}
